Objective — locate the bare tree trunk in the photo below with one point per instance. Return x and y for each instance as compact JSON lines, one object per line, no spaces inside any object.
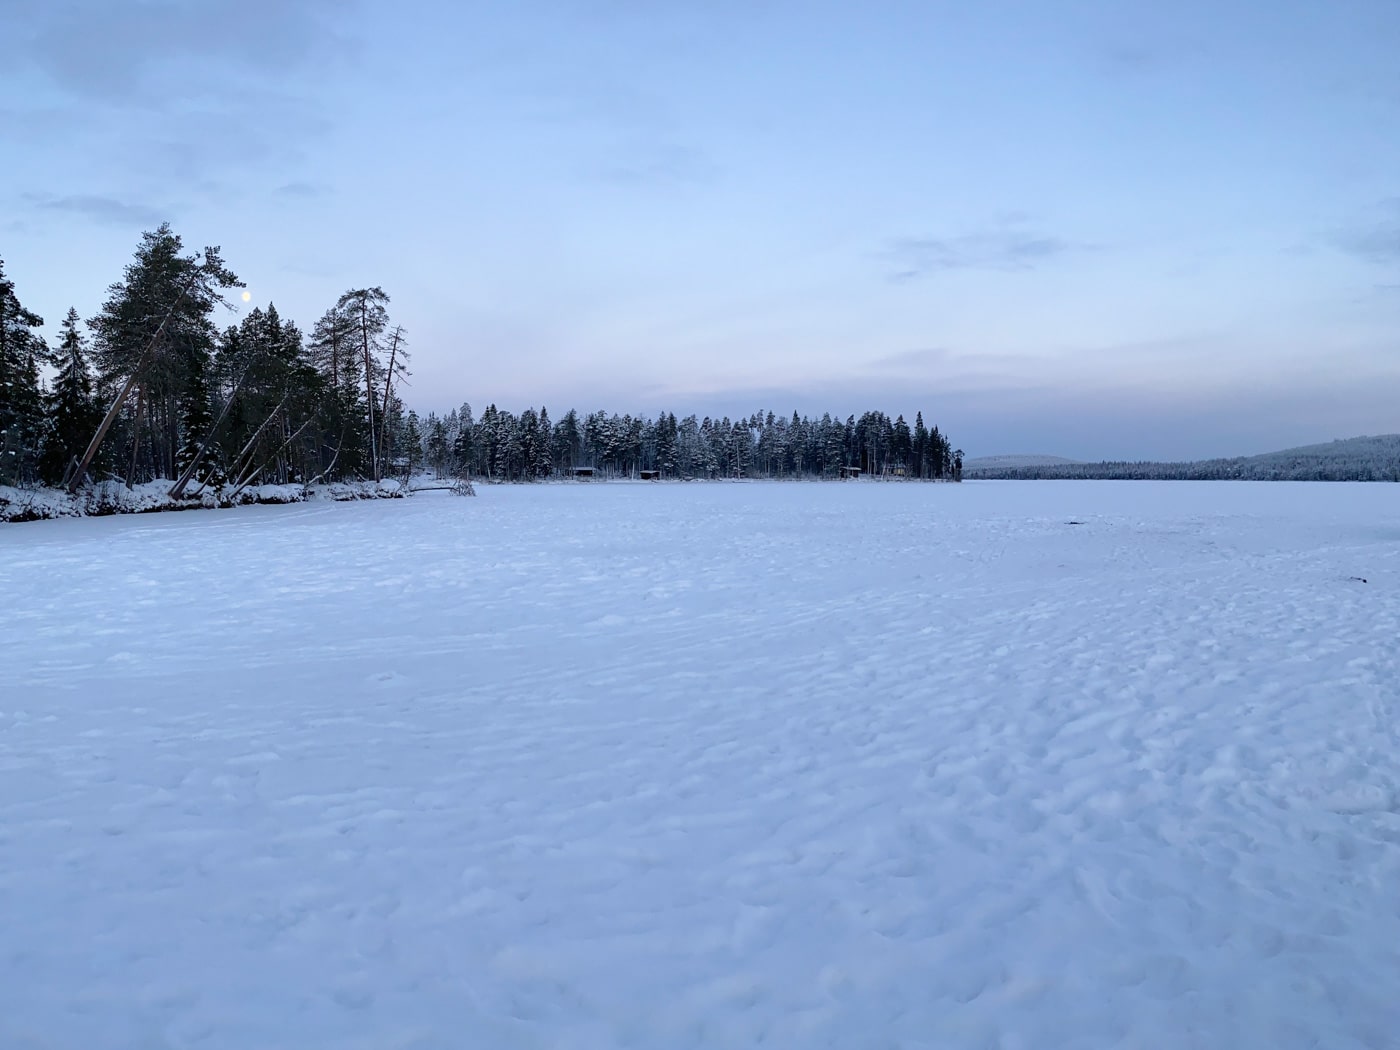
{"x":338,"y":446}
{"x":369,"y":388}
{"x":389,"y":388}
{"x":282,"y":472}
{"x":169,"y":438}
{"x":136,"y":433}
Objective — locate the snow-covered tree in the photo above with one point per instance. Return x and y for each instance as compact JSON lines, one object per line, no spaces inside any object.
{"x":72,"y":410}
{"x":21,"y":397}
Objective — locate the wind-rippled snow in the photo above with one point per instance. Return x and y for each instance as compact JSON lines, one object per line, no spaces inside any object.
{"x":707,"y":765}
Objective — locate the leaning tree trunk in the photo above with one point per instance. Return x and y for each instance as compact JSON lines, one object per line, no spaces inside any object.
{"x":245,"y":455}
{"x":137,"y":374}
{"x":178,"y":490}
{"x":388,"y":391}
{"x":252,"y":474}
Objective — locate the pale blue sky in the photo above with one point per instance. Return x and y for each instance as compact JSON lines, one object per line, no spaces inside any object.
{"x":1090,"y":229}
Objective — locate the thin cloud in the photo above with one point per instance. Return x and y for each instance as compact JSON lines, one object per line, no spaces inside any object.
{"x":1378,"y":245}
{"x":951,"y":367}
{"x":107,"y":210}
{"x":1133,"y":58}
{"x":1007,"y":250}
{"x":662,"y":165}
{"x":162,"y":87}
{"x":912,"y":359}
{"x":127,"y":54}
{"x":1374,"y":242}
{"x":299,"y":190}
{"x":1138,"y":60}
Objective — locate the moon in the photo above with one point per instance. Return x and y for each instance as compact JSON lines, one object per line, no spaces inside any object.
{"x":247,"y":296}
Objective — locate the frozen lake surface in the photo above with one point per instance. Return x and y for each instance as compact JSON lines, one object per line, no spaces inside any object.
{"x":664,"y":766}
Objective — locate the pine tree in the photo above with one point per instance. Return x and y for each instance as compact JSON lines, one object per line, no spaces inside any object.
{"x":343,"y":441}
{"x":368,"y":313}
{"x":153,"y":331}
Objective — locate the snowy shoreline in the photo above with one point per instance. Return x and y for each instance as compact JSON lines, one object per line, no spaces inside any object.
{"x":46,"y":504}
{"x":112,"y":497}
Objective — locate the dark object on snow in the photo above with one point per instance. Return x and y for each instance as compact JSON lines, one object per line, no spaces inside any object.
{"x":1358,"y":579}
{"x":1074,"y":523}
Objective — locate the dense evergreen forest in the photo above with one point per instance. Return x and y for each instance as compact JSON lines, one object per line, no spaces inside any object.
{"x":152,"y":388}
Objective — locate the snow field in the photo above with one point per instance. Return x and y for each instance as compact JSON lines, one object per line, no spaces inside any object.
{"x":803,"y":765}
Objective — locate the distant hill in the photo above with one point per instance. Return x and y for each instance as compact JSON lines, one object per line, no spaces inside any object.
{"x":1353,"y":459}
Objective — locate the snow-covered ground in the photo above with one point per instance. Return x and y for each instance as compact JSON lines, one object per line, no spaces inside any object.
{"x":662,"y":766}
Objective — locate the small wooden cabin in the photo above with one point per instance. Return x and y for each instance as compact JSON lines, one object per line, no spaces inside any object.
{"x":582,"y":473}
{"x":651,"y":475}
{"x":850,"y":472}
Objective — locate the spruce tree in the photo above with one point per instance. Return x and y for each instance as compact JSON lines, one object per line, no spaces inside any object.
{"x":412,"y":451}
{"x":919,"y":451}
{"x":21,"y":398}
{"x":197,"y":418}
{"x":567,"y":442}
{"x":465,"y":446}
{"x":72,"y":410}
{"x":438,"y":451}
{"x":528,"y":434}
{"x":543,"y":464}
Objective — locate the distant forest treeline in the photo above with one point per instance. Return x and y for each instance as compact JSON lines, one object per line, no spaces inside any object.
{"x":1355,"y":459}
{"x":504,"y":446}
{"x":152,"y":388}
